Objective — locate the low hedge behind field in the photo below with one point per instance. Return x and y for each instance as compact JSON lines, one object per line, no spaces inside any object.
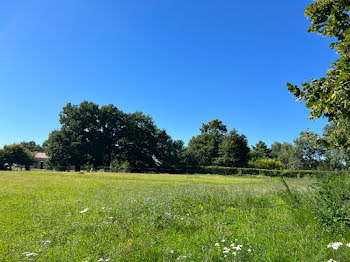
{"x":266,"y":172}
{"x":219,"y":170}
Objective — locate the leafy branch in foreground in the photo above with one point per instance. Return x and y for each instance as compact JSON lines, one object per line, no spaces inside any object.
{"x":329,"y":96}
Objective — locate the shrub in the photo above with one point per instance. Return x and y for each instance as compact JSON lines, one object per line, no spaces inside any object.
{"x":219,"y":170}
{"x":332,"y":202}
{"x":120,"y":166}
{"x":266,"y":163}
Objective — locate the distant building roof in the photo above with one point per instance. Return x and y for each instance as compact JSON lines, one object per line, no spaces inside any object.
{"x":41,"y":155}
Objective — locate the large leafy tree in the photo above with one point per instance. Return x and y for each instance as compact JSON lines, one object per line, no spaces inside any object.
{"x":260,"y":150}
{"x":139,"y":146}
{"x":96,"y":136}
{"x":338,"y":157}
{"x":329,"y":96}
{"x":307,"y":153}
{"x":282,"y":152}
{"x":31,"y":146}
{"x":113,"y":123}
{"x":81,"y":124}
{"x":205,"y":147}
{"x":17,"y":154}
{"x":64,"y":151}
{"x":2,"y":159}
{"x":168,"y":151}
{"x":233,"y":151}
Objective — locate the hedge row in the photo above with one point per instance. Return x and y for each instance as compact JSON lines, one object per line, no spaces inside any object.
{"x":219,"y":170}
{"x":266,"y":172}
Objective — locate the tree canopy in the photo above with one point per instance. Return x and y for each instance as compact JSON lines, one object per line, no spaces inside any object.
{"x":31,"y":146}
{"x":205,"y":147}
{"x":260,"y":150}
{"x":16,"y":154}
{"x":95,"y":136}
{"x":329,"y":96}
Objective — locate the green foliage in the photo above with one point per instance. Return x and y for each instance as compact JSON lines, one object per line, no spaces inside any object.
{"x":17,"y":154}
{"x":307,"y":153}
{"x":329,"y":96}
{"x":332,"y":203}
{"x":282,"y":152}
{"x":31,"y":146}
{"x":2,"y":160}
{"x":266,"y":163}
{"x":93,"y":135}
{"x":233,"y":151}
{"x":63,"y":151}
{"x":219,"y":170}
{"x":120,"y":166}
{"x":205,"y":147}
{"x":260,"y":150}
{"x":214,"y":146}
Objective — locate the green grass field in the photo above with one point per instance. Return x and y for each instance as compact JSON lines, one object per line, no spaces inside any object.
{"x":50,"y":216}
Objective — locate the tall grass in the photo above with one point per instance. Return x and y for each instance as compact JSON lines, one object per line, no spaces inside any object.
{"x":48,"y":216}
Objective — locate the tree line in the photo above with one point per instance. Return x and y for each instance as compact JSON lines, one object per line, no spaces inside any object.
{"x":104,"y":136}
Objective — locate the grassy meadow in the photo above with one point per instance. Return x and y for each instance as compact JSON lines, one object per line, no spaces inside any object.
{"x":58,"y":216}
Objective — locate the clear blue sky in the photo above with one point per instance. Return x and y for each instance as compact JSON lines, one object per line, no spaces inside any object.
{"x":183,"y":62}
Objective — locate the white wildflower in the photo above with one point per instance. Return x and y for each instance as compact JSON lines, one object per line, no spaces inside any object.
{"x":234,"y":253}
{"x":238,"y":247}
{"x":171,"y":251}
{"x":348,"y":244}
{"x":84,"y":211}
{"x":217,"y":244}
{"x":100,"y":260}
{"x":226,"y":250}
{"x":335,"y":245}
{"x":249,"y":250}
{"x":223,"y":240}
{"x":331,"y":260}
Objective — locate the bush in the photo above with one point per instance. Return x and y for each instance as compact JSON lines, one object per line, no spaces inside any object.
{"x":332,"y":202}
{"x":266,"y":163}
{"x":120,"y":166}
{"x":219,"y":170}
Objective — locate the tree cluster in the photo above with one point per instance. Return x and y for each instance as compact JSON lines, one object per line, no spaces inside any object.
{"x":16,"y":154}
{"x":105,"y":136}
{"x":95,"y":136}
{"x":216,"y":146}
{"x":100,"y":137}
